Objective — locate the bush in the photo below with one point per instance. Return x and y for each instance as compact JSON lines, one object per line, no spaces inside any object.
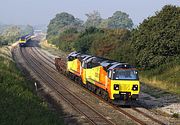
{"x":156,"y":40}
{"x":175,"y":115}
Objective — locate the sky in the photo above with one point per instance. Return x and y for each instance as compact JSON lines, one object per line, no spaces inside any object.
{"x":35,"y":12}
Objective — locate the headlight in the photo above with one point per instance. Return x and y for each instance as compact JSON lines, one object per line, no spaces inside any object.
{"x":135,"y":87}
{"x":116,"y":86}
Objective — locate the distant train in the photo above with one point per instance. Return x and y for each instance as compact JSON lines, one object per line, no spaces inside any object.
{"x":24,"y":39}
{"x":114,"y":81}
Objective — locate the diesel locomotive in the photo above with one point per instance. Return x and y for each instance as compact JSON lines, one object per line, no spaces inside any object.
{"x":23,"y":40}
{"x":114,"y":81}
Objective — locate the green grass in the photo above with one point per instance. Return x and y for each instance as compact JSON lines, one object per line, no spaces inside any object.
{"x":166,"y":77}
{"x":175,"y":115}
{"x":154,"y":91}
{"x":52,"y":49}
{"x":18,"y":104}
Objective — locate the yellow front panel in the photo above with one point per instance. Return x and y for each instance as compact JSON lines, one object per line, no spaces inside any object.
{"x":22,"y":41}
{"x":124,"y":86}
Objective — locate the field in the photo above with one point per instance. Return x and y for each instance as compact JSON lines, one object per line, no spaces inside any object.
{"x":19,"y":105}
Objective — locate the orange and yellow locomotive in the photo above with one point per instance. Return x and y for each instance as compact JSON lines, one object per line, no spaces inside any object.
{"x":110,"y":79}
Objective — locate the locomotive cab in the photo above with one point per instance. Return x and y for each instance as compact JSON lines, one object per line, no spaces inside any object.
{"x":124,"y":82}
{"x":73,"y":65}
{"x":23,"y":40}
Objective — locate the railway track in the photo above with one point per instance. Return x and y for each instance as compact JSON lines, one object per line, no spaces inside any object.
{"x":121,"y":110}
{"x":79,"y":105}
{"x":42,"y":54}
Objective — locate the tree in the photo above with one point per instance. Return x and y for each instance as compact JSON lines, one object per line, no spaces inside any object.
{"x":66,"y":39}
{"x":11,"y":33}
{"x":111,"y":44}
{"x":86,"y":38}
{"x":93,"y":19}
{"x":156,"y":40}
{"x":62,"y":22}
{"x":104,"y":23}
{"x":26,"y":29}
{"x":120,"y":20}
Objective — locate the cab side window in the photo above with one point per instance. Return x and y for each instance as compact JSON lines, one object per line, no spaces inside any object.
{"x":84,"y":65}
{"x":89,"y":65}
{"x":70,"y":58}
{"x":109,"y":74}
{"x":95,"y":64}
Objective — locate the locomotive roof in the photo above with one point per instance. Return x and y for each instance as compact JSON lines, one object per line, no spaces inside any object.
{"x":71,"y":53}
{"x":74,"y":54}
{"x":87,"y":57}
{"x":25,"y":36}
{"x":82,"y":56}
{"x":121,"y":65}
{"x":107,"y":63}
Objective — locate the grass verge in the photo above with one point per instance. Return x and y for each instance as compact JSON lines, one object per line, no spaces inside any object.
{"x":165,"y":77}
{"x":18,"y":104}
{"x":52,"y":49}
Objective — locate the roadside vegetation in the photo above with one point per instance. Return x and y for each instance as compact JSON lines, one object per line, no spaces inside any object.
{"x":11,"y":33}
{"x":153,"y":46}
{"x":18,"y":104}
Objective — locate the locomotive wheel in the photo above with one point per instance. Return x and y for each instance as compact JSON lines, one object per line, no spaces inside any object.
{"x":79,"y":81}
{"x":105,"y":94}
{"x":85,"y":85}
{"x":109,"y":100}
{"x":89,"y":87}
{"x":94,"y":88}
{"x":75,"y":78}
{"x":98,"y":92}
